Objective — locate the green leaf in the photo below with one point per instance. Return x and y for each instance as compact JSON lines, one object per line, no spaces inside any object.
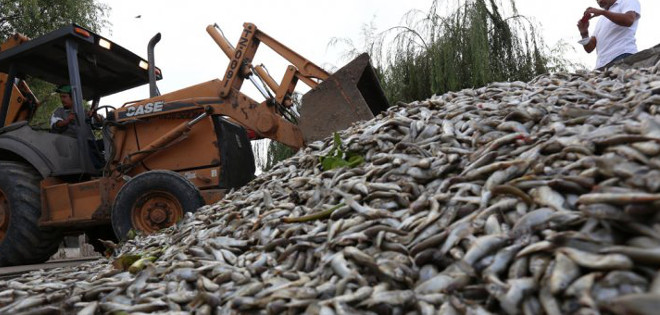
{"x":125,"y":261}
{"x":355,"y":160}
{"x":336,"y":157}
{"x":337,"y":142}
{"x":332,"y":162}
{"x":140,"y":264}
{"x":132,"y":233}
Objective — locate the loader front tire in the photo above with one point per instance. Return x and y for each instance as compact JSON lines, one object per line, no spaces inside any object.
{"x":21,"y":240}
{"x":152,"y":201}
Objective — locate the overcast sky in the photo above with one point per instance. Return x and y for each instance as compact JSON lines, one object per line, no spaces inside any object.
{"x":187,"y":54}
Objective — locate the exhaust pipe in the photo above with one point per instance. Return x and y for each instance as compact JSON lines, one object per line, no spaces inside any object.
{"x":153,"y":89}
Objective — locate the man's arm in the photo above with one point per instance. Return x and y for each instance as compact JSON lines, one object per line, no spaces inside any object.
{"x":54,"y":120}
{"x":583,"y":27}
{"x":58,"y":124}
{"x":589,"y":47}
{"x":63,"y":123}
{"x":623,"y":19}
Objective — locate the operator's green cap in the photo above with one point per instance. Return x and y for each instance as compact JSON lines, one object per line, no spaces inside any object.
{"x":63,"y":89}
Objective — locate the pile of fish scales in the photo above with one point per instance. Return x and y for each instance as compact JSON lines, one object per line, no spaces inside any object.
{"x":518,"y":198}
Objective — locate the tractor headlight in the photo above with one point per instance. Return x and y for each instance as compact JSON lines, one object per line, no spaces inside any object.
{"x":104,"y":43}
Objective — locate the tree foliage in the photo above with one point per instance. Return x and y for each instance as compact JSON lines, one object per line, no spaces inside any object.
{"x":33,"y":18}
{"x":460,"y":44}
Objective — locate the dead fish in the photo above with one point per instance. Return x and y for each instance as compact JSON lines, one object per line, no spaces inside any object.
{"x":597,"y":262}
{"x":642,"y":303}
{"x":481,"y":247}
{"x":396,"y":297}
{"x":563,"y":273}
{"x":642,"y":255}
{"x":618,"y":199}
{"x":546,"y":196}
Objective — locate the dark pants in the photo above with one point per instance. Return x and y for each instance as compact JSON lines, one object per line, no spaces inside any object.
{"x":617,"y":58}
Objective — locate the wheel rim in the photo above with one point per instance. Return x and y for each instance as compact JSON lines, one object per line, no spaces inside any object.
{"x":155,"y":211}
{"x":4,"y":215}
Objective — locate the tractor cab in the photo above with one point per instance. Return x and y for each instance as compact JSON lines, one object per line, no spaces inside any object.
{"x":92,"y":65}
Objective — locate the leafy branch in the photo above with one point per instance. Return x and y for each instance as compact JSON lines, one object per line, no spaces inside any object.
{"x":337,"y":157}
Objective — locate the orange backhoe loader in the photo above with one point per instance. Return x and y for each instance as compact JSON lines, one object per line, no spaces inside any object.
{"x":159,"y":157}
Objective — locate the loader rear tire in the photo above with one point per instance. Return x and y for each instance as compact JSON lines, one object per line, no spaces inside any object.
{"x":152,"y":201}
{"x":21,"y":240}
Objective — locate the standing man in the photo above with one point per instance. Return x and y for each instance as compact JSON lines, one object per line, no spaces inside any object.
{"x":614,"y":36}
{"x":63,"y":119}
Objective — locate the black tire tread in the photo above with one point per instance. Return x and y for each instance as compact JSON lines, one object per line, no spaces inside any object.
{"x":25,"y":242}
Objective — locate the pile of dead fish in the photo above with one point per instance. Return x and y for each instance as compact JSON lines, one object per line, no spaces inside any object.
{"x":517,"y":198}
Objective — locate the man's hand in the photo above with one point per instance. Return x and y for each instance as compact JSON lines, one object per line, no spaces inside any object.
{"x":93,"y":115}
{"x":583,"y":25}
{"x":70,"y":118}
{"x":594,"y":12}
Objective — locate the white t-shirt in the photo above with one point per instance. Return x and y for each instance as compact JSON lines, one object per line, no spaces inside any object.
{"x":613,"y":40}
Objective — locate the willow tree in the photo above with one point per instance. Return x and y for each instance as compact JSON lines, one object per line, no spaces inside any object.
{"x":461,"y":44}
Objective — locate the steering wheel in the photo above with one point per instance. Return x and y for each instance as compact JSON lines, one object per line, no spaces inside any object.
{"x":98,"y":124}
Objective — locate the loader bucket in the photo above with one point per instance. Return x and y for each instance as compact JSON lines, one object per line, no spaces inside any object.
{"x":349,"y":95}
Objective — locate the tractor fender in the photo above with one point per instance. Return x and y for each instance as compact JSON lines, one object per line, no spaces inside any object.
{"x":50,"y":154}
{"x":14,"y":149}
